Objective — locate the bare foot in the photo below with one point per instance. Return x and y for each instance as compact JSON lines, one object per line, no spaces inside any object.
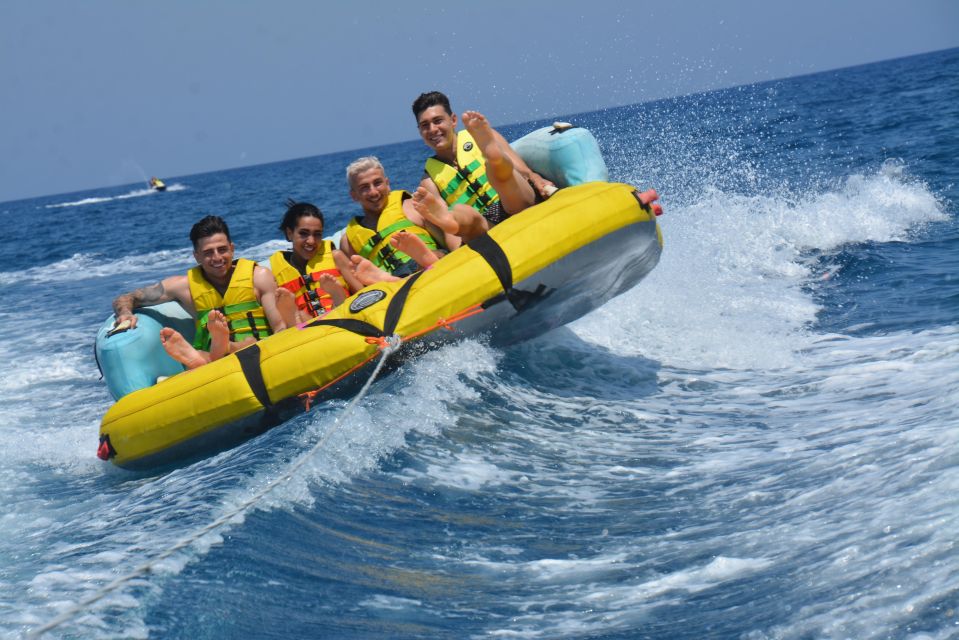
{"x":496,"y":159}
{"x":413,"y":246}
{"x":346,"y":271}
{"x":181,"y":350}
{"x":368,"y":273}
{"x":434,"y":209}
{"x":219,"y":334}
{"x":286,"y":305}
{"x":333,"y":287}
{"x":514,"y":191}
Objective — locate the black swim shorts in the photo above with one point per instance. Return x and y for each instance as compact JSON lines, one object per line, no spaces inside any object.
{"x":406,"y":269}
{"x":494,"y":213}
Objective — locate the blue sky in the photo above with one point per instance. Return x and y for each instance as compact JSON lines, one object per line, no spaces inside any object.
{"x":101,"y":93}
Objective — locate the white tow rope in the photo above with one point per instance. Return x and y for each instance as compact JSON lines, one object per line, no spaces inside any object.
{"x":392,"y":344}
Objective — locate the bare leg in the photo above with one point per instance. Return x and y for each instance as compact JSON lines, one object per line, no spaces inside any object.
{"x":245,"y":342}
{"x":413,"y":246}
{"x":346,"y":270}
{"x":514,"y":192}
{"x":472,"y":223}
{"x":333,"y":287}
{"x":181,"y":350}
{"x":463,"y":221}
{"x":219,"y":335}
{"x":451,"y":241}
{"x":368,"y":273}
{"x":286,"y":305}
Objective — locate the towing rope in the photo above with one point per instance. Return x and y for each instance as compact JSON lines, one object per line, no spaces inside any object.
{"x":389,"y":345}
{"x":309,"y":397}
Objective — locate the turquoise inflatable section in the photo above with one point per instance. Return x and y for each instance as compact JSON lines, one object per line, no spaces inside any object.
{"x":134,"y":359}
{"x":566,"y":154}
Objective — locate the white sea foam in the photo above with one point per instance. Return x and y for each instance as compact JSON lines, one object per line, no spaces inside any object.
{"x":140,"y":522}
{"x":84,"y":266}
{"x":157,"y":264}
{"x":734,"y":269}
{"x":352,"y":444}
{"x":471,"y":472}
{"x":589,"y":602}
{"x":391,"y":603}
{"x":561,"y":570}
{"x":797,"y":406}
{"x":136,"y":193}
{"x":691,"y":580}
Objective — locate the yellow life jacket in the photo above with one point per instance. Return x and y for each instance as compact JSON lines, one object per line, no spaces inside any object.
{"x":375,"y":245}
{"x":466,"y":181}
{"x":243,"y":312}
{"x":306,"y":286}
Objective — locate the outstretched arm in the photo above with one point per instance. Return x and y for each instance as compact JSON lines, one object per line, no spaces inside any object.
{"x":164,"y":291}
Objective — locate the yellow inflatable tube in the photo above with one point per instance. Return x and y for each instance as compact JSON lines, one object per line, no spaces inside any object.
{"x":546,"y":266}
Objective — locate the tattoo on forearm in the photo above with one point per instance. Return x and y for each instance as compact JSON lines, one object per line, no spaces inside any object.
{"x":143,"y":297}
{"x":149,"y":295}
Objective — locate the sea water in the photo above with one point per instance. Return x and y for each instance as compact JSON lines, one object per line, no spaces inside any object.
{"x":760,"y":440}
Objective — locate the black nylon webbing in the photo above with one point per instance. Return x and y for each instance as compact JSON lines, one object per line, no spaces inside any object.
{"x":252,"y":321}
{"x":374,"y":240}
{"x":474,"y":188}
{"x":249,"y":358}
{"x":356,"y":326}
{"x":496,"y":257}
{"x":393,"y":313}
{"x":395,"y":310}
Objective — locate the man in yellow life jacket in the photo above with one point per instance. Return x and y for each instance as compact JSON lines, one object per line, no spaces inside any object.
{"x":474,"y":180}
{"x":390,"y":240}
{"x":232,"y":301}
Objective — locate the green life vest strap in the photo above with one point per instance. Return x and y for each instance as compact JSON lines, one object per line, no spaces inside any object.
{"x":388,"y":256}
{"x":474,"y":188}
{"x":377,"y":237}
{"x":251,"y":325}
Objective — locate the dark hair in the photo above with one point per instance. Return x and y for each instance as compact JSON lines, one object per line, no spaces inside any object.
{"x":296,"y":210}
{"x":430,"y":99}
{"x":207,"y":227}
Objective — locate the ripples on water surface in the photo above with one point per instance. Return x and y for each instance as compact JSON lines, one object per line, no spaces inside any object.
{"x":759,"y":441}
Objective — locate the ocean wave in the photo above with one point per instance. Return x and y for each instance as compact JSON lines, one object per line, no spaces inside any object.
{"x":136,"y":193}
{"x":739,"y":268}
{"x":94,"y":266}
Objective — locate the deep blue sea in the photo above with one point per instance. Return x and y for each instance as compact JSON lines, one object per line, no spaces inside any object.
{"x":759,"y":441}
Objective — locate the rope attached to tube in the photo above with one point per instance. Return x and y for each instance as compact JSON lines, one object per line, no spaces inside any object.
{"x":388,"y":346}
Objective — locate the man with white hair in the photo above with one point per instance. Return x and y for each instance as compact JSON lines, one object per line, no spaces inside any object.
{"x":390,"y":240}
